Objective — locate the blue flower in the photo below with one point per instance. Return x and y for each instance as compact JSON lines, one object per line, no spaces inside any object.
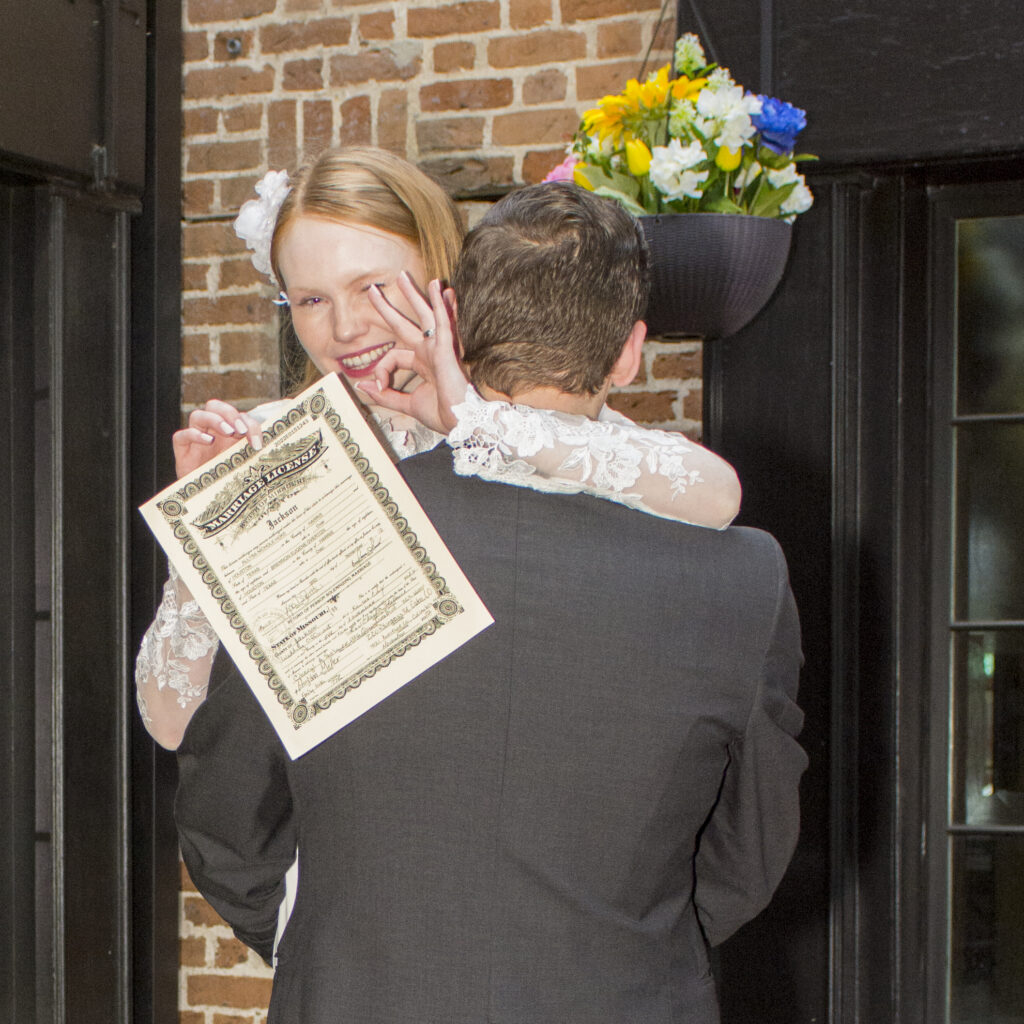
{"x":779,"y":124}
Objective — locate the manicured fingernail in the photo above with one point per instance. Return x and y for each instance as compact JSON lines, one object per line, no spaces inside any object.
{"x":240,"y":425}
{"x":226,"y":428}
{"x":257,"y":442}
{"x":206,"y":438}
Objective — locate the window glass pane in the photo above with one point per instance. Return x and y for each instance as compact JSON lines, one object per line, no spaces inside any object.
{"x":990,"y":315}
{"x":988,"y":724}
{"x":986,"y":947}
{"x":990,"y":521}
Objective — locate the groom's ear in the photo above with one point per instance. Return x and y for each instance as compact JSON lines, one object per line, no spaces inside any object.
{"x":627,"y":366}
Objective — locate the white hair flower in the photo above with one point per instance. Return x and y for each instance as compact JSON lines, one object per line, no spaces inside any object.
{"x":689,"y":55}
{"x":257,"y":217}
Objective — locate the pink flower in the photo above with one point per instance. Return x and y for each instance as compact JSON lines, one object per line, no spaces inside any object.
{"x":563,"y":172}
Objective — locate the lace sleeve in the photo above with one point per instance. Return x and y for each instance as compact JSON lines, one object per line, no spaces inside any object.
{"x":659,"y":472}
{"x":172,"y":670}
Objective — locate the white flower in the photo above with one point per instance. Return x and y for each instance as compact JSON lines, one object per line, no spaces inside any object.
{"x":689,"y":54}
{"x":671,"y":169}
{"x":257,"y":217}
{"x":727,"y":104}
{"x":799,"y":200}
{"x":719,"y":78}
{"x":786,"y":176}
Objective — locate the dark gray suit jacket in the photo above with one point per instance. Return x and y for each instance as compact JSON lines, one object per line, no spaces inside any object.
{"x":552,"y":824}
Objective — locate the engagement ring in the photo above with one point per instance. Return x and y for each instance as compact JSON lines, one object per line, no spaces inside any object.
{"x":429,"y":332}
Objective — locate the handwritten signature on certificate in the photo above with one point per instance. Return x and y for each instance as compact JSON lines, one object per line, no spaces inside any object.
{"x":315,"y":564}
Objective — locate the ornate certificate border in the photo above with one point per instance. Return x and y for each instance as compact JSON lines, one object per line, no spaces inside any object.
{"x":196,"y":511}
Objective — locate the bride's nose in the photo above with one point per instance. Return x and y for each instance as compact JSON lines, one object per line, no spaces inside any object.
{"x":348,"y":320}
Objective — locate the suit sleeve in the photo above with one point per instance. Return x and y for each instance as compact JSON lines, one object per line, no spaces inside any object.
{"x":749,"y":837}
{"x":234,"y":812}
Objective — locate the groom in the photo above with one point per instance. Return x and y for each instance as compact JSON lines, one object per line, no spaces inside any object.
{"x":552,"y":825}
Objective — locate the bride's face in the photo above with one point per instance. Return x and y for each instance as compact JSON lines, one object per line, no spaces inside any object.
{"x":328,"y":268}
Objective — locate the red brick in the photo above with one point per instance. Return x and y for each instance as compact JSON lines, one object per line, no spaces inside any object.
{"x":289,"y":36}
{"x":577,"y":10}
{"x":194,"y":277}
{"x":454,"y":19}
{"x":226,"y":309}
{"x":192,"y":952}
{"x":236,"y":190}
{"x":372,"y":66}
{"x":244,"y":388}
{"x":450,"y":133}
{"x":356,"y":122}
{"x":476,"y":94}
{"x":247,"y":347}
{"x":195,"y":351}
{"x":303,"y":75}
{"x":543,"y":47}
{"x":680,"y":365}
{"x":243,"y":40}
{"x":236,"y":80}
{"x":317,"y":122}
{"x":223,"y":156}
{"x":392,"y":119}
{"x":454,"y":57}
{"x":246,"y":118}
{"x":619,"y":39}
{"x":538,"y":162}
{"x":645,"y":406}
{"x":529,"y":13}
{"x":240,"y":273}
{"x":379,"y":25}
{"x":302,"y":5}
{"x":597,"y":80}
{"x":200,"y":121}
{"x":199,"y":241}
{"x":462,"y":176}
{"x":227,"y":990}
{"x":197,"y":910}
{"x":534,"y":126}
{"x":693,"y":404}
{"x":200,"y":11}
{"x":546,"y":86}
{"x":664,"y":42}
{"x":194,"y":46}
{"x":281,"y":139}
{"x":197,"y":197}
{"x":191,"y":1017}
{"x":230,"y":953}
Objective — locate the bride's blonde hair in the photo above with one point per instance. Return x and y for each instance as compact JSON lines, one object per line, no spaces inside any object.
{"x":372,"y":187}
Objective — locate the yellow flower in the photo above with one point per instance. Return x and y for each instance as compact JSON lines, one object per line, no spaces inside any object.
{"x":638,"y":157}
{"x":728,"y":159}
{"x":580,"y":178}
{"x":685,"y":88}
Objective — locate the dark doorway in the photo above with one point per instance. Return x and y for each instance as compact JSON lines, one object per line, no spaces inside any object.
{"x":89,"y":296}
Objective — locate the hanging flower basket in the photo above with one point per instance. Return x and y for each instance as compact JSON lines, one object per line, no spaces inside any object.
{"x":711,"y":272}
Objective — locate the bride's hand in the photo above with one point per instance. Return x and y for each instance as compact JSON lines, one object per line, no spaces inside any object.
{"x":428,"y":348}
{"x":211,"y":430}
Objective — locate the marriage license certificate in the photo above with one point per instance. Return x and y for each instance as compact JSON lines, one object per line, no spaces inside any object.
{"x":312,"y":559}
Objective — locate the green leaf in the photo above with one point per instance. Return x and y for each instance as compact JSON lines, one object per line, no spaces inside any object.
{"x":616,"y":181}
{"x":769,"y":201}
{"x":802,"y":157}
{"x":623,"y":200}
{"x":721,"y":205}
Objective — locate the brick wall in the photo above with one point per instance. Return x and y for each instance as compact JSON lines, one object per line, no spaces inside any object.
{"x":483,"y":94}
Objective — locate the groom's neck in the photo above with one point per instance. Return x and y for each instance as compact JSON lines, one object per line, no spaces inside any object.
{"x":550,"y":398}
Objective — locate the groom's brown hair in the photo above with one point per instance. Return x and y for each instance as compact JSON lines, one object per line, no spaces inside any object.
{"x":549,"y":285}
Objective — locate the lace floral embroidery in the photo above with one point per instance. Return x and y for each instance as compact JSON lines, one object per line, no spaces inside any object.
{"x":606,"y":457}
{"x":177,"y":638}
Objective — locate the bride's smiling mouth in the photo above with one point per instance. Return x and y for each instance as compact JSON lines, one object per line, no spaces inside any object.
{"x":361,"y":364}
